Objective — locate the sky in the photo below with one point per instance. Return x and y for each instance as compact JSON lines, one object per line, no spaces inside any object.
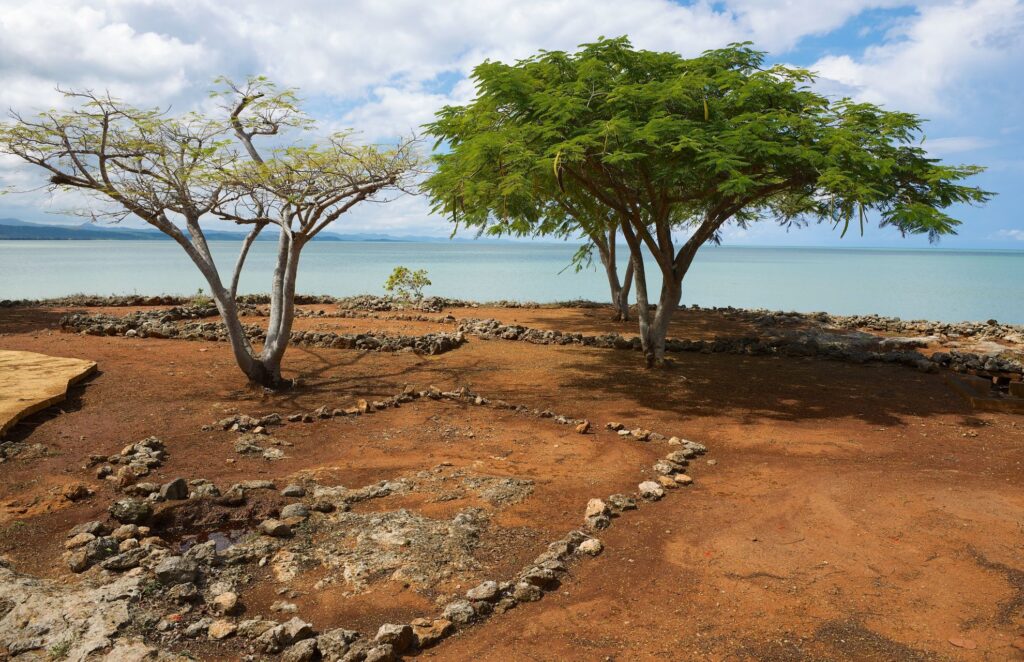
{"x":384,"y":68}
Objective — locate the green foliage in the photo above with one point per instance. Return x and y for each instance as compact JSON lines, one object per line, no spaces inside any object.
{"x":406,"y":284}
{"x":614,"y":134}
{"x":60,"y":650}
{"x":200,"y":299}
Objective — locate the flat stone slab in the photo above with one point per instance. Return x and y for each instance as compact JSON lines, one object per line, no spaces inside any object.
{"x":30,"y":382}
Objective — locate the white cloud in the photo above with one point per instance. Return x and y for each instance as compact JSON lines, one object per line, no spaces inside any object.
{"x":928,"y":56}
{"x":1016,"y":235}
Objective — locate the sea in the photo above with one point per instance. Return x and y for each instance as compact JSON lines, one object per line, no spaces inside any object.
{"x":931,"y":283}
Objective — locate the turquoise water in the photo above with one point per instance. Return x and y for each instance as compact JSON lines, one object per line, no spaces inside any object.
{"x":940,"y":284}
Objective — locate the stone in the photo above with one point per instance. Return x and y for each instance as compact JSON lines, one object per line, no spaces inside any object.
{"x":199,"y":627}
{"x":334,"y":644}
{"x":76,"y":492}
{"x":176,"y":570}
{"x":303,"y":651}
{"x":297,"y":510}
{"x":382,"y":653}
{"x":126,"y":560}
{"x":294,"y":491}
{"x":182,"y":593}
{"x":176,"y":490}
{"x":683,"y":479}
{"x":429,"y":632}
{"x":614,"y":426}
{"x":204,"y":490}
{"x":460,"y":612}
{"x":279,"y":637}
{"x":591,"y":547}
{"x":526,"y":592}
{"x":400,"y":637}
{"x":254,"y":627}
{"x":221,"y":630}
{"x":543,"y":578}
{"x":131,"y":511}
{"x":598,"y":522}
{"x":596,"y":508}
{"x":651,"y":491}
{"x":667,"y":482}
{"x":583,"y":427}
{"x":125,"y":531}
{"x":78,"y":540}
{"x":275,"y":528}
{"x":681,"y":457}
{"x":487,"y":591}
{"x":128,"y":544}
{"x":621,"y":502}
{"x":226,"y":603}
{"x":94,"y":527}
{"x":666,"y":468}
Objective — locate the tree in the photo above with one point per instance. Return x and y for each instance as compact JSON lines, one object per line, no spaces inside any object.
{"x":407,"y":284}
{"x":171,"y":171}
{"x":674,"y":148}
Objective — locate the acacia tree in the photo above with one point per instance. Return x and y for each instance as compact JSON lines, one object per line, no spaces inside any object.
{"x":675,"y":148}
{"x":175,"y":171}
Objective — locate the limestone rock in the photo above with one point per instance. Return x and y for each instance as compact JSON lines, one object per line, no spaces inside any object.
{"x":651,"y":491}
{"x":221,"y":630}
{"x":591,"y":547}
{"x":400,"y":637}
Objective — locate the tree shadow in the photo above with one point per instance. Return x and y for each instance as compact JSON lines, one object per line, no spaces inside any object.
{"x":753,"y":389}
{"x":28,"y":320}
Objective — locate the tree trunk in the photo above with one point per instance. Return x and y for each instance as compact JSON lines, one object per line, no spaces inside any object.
{"x":619,"y":291}
{"x":668,"y":303}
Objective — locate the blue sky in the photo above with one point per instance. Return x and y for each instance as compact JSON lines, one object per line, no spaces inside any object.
{"x":384,"y":68}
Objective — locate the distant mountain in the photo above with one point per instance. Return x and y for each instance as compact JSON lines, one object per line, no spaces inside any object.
{"x":13,"y":228}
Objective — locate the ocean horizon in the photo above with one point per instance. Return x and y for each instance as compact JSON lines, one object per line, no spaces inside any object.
{"x":913,"y":283}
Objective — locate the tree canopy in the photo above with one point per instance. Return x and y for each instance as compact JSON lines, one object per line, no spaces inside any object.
{"x":174,"y":171}
{"x":665,"y":145}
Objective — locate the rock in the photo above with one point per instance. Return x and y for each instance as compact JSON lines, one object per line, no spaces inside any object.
{"x":382,"y":653}
{"x":487,"y":591}
{"x":126,"y":560}
{"x":125,"y":531}
{"x":526,"y":592}
{"x":681,"y":457}
{"x":131,"y":511}
{"x":583,"y":427}
{"x":254,"y":627}
{"x":78,"y":540}
{"x":295,"y":510}
{"x":182,"y":593}
{"x":199,"y":627}
{"x":334,"y":644}
{"x":596,"y":508}
{"x":667,"y":482}
{"x":651,"y":491}
{"x":128,"y":544}
{"x":176,"y":490}
{"x":95,"y":528}
{"x":76,"y":492}
{"x":614,"y":426}
{"x":591,"y":546}
{"x":294,"y":491}
{"x":683,"y":479}
{"x":279,"y":637}
{"x":221,"y":630}
{"x":226,"y":603}
{"x":176,"y":570}
{"x":460,"y":612}
{"x":400,"y":637}
{"x":204,"y":490}
{"x":77,"y":561}
{"x":275,"y":528}
{"x":303,"y":651}
{"x":621,"y":502}
{"x":429,"y":632}
{"x":543,"y":578}
{"x":666,"y":468}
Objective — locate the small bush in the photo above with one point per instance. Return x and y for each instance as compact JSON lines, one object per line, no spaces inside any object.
{"x":407,"y":285}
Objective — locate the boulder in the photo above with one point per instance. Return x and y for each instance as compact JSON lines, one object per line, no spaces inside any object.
{"x":487,"y":591}
{"x":303,"y":651}
{"x":429,"y":632}
{"x":131,"y":511}
{"x":176,"y":490}
{"x":651,"y":491}
{"x":275,"y":528}
{"x":221,"y":630}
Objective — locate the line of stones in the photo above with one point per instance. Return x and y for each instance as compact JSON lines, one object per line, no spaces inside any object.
{"x":544,"y":573}
{"x":146,"y":324}
{"x":491,"y":329}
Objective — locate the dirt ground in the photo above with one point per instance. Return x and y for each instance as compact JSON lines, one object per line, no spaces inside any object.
{"x":843,"y":512}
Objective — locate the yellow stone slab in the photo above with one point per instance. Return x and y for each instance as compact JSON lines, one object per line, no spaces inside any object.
{"x":30,"y":382}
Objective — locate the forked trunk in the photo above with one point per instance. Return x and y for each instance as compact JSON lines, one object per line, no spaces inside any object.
{"x":619,"y":292}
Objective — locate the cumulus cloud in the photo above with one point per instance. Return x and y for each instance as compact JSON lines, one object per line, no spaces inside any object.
{"x":386,"y":67}
{"x":926,"y":56}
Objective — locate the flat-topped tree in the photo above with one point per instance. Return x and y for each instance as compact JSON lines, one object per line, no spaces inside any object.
{"x":175,"y":171}
{"x":674,"y":148}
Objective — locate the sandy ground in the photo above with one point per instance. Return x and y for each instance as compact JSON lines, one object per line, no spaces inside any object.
{"x":858,"y":512}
